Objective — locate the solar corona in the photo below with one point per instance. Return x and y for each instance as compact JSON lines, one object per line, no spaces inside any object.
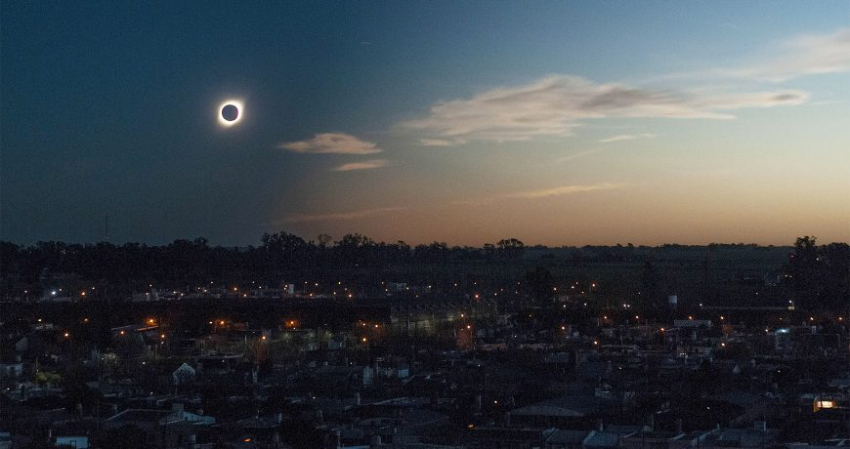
{"x":230,"y":113}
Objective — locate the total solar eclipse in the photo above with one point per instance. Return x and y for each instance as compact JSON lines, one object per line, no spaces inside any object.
{"x":230,"y":113}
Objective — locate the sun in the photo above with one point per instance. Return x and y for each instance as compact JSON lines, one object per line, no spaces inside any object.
{"x":230,"y":113}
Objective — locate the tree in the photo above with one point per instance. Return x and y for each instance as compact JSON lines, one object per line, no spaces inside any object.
{"x":649,"y":283}
{"x":820,"y":275}
{"x":541,"y":282}
{"x":324,"y":240}
{"x":511,"y":249}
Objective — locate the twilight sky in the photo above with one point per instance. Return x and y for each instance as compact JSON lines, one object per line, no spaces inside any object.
{"x":559,"y":123}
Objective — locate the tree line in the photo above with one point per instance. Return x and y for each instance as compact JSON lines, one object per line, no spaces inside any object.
{"x":812,"y":273}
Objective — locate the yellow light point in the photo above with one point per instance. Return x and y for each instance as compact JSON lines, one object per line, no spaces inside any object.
{"x":83,"y":294}
{"x":563,"y":328}
{"x":162,"y":336}
{"x":364,"y":339}
{"x":690,"y":317}
{"x":662,"y":329}
{"x":263,"y":337}
{"x":85,"y":320}
{"x":240,"y":107}
{"x":67,"y":335}
{"x":221,"y":322}
{"x":824,"y":404}
{"x":468,"y":326}
{"x":723,"y":344}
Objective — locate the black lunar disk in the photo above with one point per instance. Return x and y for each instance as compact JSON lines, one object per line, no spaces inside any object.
{"x":230,"y":112}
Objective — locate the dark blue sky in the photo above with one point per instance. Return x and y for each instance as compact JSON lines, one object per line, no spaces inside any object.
{"x":109,"y":108}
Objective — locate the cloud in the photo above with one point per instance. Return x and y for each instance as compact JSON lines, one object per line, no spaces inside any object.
{"x":353,"y":215}
{"x":555,"y":106}
{"x":623,"y":137}
{"x":365,"y":165}
{"x":804,"y":55}
{"x":544,"y":193}
{"x":337,"y":143}
{"x":578,"y":155}
{"x":437,"y":142}
{"x":564,"y":190}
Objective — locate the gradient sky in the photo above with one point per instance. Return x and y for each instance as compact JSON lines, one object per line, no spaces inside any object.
{"x":558,"y":123}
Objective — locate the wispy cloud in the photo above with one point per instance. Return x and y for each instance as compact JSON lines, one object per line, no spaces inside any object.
{"x":365,"y":165}
{"x":811,"y":54}
{"x":623,"y":137}
{"x":337,"y":143}
{"x":437,"y":142}
{"x":543,"y":193}
{"x":579,"y":155}
{"x":804,"y":55}
{"x":352,"y":215}
{"x":564,"y":190}
{"x":555,"y":105}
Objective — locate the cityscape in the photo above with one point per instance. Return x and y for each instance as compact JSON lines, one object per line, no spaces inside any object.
{"x":424,"y":225}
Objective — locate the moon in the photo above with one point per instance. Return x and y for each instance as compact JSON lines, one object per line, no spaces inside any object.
{"x":230,"y":113}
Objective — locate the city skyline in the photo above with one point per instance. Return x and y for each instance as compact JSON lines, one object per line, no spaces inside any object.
{"x":567,"y":124}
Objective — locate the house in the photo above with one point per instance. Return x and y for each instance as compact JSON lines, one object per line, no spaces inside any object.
{"x":352,"y":376}
{"x":566,"y":439}
{"x":563,"y":411}
{"x":183,"y":374}
{"x":75,"y":442}
{"x":11,"y":369}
